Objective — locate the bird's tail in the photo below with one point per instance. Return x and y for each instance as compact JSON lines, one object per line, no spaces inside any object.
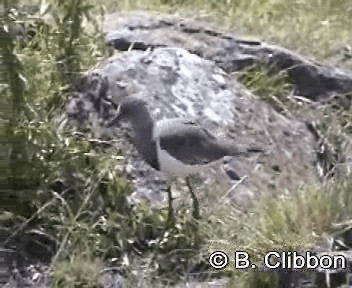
{"x":255,"y":150}
{"x":235,"y":150}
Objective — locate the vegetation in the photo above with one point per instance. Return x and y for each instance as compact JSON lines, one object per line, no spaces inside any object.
{"x":272,"y":86}
{"x":59,"y":186}
{"x":316,"y":28}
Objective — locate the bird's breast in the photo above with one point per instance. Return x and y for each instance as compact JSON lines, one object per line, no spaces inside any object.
{"x":173,"y":167}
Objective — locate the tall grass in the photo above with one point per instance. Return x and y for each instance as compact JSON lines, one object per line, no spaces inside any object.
{"x":52,"y":183}
{"x":70,"y":192}
{"x":316,"y":28}
{"x":58,"y":185}
{"x":300,"y":221}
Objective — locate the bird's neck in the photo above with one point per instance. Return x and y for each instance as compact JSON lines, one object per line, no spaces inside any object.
{"x":143,"y":138}
{"x":143,"y":126}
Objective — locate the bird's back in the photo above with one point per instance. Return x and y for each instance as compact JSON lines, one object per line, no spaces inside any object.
{"x":190,"y":143}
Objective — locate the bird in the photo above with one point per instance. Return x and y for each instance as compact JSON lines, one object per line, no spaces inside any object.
{"x":177,"y":147}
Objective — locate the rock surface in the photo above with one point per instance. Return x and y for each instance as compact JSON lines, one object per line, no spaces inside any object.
{"x":141,"y":30}
{"x":177,"y":83}
{"x":185,"y":75}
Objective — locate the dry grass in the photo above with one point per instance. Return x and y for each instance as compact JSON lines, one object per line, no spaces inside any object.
{"x":317,"y":27}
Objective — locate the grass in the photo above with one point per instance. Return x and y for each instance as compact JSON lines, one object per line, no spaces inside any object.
{"x":74,"y":192}
{"x":294,"y":222}
{"x":316,"y":28}
{"x":78,"y":270}
{"x":270,"y":85}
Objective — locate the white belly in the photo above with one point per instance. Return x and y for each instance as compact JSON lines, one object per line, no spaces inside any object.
{"x":174,"y":167}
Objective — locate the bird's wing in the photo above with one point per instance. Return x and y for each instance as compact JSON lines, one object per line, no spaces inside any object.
{"x":186,"y":141}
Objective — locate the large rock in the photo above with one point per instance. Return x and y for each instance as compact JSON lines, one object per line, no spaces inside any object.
{"x":181,"y":84}
{"x":141,"y":30}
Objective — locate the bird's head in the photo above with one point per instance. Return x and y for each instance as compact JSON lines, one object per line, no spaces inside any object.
{"x":128,"y":108}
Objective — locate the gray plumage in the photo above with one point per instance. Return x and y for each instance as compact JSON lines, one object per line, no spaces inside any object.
{"x":193,"y":145}
{"x":177,"y":147}
{"x":183,"y":139}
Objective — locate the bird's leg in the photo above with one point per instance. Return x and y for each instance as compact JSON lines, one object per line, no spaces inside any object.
{"x":195,"y":213}
{"x":170,"y":217}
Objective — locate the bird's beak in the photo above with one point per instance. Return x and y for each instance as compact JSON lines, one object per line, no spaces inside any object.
{"x":116,"y":117}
